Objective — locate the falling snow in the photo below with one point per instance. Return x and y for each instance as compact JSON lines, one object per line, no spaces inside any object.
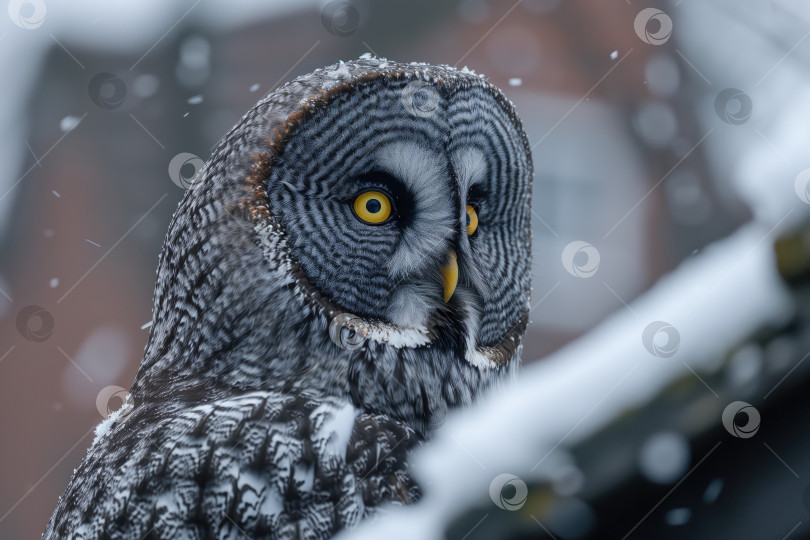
{"x":678,"y":516}
{"x":254,"y":87}
{"x":713,"y":491}
{"x":54,"y":283}
{"x":91,"y":242}
{"x":515,"y":81}
{"x":56,"y":194}
{"x":69,"y":122}
{"x":195,"y":100}
{"x":614,"y":55}
{"x":146,"y":85}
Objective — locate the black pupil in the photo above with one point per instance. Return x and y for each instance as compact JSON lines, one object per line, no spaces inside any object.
{"x":468,"y":218}
{"x":373,"y":206}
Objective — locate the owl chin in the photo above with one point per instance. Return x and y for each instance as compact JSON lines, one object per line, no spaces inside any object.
{"x":419,"y":317}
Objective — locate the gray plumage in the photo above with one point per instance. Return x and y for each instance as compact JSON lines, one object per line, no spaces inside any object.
{"x":298,"y":353}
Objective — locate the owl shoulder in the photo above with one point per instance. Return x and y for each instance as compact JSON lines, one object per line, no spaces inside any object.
{"x":262,"y":464}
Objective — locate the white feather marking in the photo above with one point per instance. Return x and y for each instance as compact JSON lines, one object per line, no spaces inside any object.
{"x":336,"y":429}
{"x":166,"y":502}
{"x":252,"y":488}
{"x":272,"y":504}
{"x":399,"y":337}
{"x":471,"y":324}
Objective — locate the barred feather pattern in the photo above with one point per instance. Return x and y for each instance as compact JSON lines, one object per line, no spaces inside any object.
{"x":261,"y":465}
{"x":245,"y":417}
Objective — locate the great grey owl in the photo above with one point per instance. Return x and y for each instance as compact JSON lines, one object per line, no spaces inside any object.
{"x":351,"y":263}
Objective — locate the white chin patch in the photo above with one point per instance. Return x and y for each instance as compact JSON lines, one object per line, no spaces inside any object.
{"x":471,"y":321}
{"x":410,"y":310}
{"x":399,"y":337}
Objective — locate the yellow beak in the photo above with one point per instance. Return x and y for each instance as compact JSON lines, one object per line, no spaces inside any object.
{"x":450,"y":276}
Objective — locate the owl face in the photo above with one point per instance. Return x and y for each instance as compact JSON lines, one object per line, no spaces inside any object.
{"x":406,"y":203}
{"x":385,"y":199}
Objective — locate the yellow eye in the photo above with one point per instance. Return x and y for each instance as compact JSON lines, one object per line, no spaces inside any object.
{"x":372,"y":207}
{"x":472,"y":220}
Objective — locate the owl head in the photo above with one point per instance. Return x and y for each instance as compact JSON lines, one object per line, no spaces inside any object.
{"x":364,"y":231}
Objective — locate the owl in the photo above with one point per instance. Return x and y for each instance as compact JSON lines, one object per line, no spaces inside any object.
{"x":351,"y":264}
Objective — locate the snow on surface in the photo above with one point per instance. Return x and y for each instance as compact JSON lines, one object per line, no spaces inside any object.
{"x":336,"y":76}
{"x":105,"y":425}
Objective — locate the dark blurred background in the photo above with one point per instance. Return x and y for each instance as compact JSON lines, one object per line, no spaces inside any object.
{"x":654,"y":134}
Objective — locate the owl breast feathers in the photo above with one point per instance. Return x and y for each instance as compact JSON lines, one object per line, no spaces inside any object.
{"x":351,"y":264}
{"x":261,"y":465}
